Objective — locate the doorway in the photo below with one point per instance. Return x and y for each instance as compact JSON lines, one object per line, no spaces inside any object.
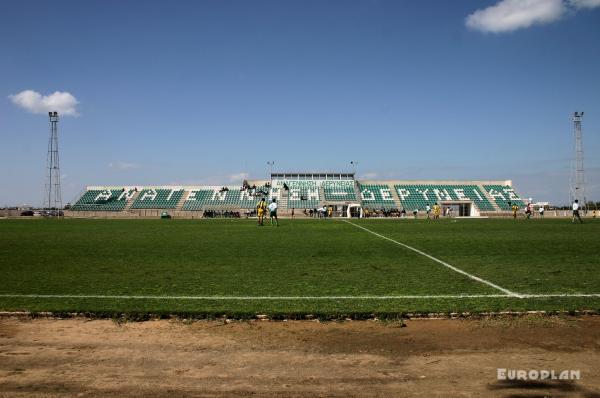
{"x":354,"y":211}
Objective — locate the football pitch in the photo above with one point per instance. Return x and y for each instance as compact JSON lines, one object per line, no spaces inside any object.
{"x":320,"y":267}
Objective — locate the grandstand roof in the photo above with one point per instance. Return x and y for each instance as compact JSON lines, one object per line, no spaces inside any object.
{"x":313,"y":175}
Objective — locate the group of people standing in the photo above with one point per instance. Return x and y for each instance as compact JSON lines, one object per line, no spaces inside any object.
{"x":262,"y":208}
{"x":436,"y":210}
{"x":529,"y":211}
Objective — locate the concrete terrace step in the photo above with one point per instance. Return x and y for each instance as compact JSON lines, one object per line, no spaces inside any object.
{"x":488,"y":197}
{"x":132,"y":200}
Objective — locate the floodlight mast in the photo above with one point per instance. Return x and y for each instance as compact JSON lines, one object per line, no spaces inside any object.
{"x":271,"y":163}
{"x":578,"y":184}
{"x":52,"y":191}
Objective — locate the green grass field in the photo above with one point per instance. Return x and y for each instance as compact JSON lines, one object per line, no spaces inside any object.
{"x":320,"y":267}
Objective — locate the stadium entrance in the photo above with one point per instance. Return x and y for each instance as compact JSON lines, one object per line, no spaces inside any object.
{"x":456,"y":209}
{"x":353,"y":211}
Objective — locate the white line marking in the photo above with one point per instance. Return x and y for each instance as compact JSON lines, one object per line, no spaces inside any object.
{"x":560,"y":295}
{"x":245,"y":298}
{"x":453,"y":268}
{"x":101,"y":296}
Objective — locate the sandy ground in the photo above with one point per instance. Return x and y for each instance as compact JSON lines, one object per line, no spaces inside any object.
{"x":166,"y":358}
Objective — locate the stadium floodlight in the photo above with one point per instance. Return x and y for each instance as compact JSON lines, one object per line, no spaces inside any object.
{"x":52,"y":188}
{"x":578,"y":183}
{"x":271,"y":164}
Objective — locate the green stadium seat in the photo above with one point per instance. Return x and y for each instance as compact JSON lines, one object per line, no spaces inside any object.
{"x":158,"y":198}
{"x":216,"y":198}
{"x":104,"y":200}
{"x":339,"y":190}
{"x":377,"y":196}
{"x":502,"y":195}
{"x":419,"y":196}
{"x":303,"y":194}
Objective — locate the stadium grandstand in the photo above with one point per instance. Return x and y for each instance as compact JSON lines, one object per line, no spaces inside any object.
{"x":340,"y":193}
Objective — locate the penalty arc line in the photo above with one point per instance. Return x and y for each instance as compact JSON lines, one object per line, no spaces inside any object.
{"x":437,"y":260}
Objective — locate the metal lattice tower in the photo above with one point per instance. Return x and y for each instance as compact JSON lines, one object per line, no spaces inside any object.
{"x":578,"y":181}
{"x":52,"y":191}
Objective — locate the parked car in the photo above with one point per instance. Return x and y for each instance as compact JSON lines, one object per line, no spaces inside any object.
{"x":52,"y":213}
{"x":27,"y":213}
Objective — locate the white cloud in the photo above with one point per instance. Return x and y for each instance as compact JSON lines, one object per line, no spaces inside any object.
{"x":509,"y":15}
{"x":123,"y":165}
{"x":585,"y":3}
{"x":369,"y":176}
{"x":60,"y":101}
{"x":238,"y":177}
{"x":234,"y":179}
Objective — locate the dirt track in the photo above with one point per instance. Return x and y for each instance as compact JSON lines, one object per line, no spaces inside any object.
{"x":77,"y":357}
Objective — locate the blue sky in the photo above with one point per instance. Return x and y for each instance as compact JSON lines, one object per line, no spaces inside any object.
{"x":208,"y":91}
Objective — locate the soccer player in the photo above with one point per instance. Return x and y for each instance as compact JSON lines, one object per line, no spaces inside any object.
{"x":576,"y":212}
{"x":260,"y":210}
{"x":428,"y":210}
{"x":436,"y":211}
{"x":528,"y":211}
{"x":514,"y":209}
{"x":273,"y":212}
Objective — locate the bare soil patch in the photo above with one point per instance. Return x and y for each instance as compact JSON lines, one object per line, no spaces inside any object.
{"x":459,"y":358}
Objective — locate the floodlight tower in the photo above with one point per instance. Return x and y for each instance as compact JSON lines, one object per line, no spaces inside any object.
{"x":271,"y":163}
{"x":578,"y":183}
{"x":52,"y":191}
